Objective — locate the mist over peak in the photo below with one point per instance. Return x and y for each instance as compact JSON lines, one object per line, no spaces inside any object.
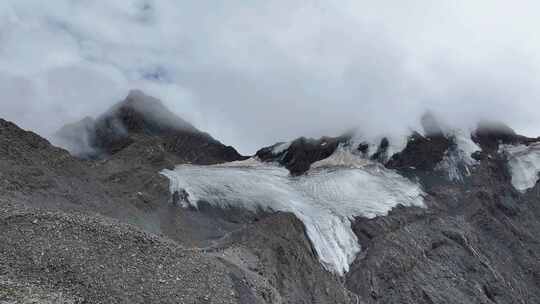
{"x":269,"y":72}
{"x":139,"y":112}
{"x":140,"y":119}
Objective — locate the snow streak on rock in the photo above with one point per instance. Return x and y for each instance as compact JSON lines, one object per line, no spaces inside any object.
{"x":325,"y":199}
{"x":458,"y":160}
{"x":279,"y":148}
{"x":396,"y":143}
{"x":524,"y":162}
{"x":466,"y":146}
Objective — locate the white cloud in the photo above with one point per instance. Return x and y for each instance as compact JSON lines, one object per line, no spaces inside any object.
{"x":264,"y":71}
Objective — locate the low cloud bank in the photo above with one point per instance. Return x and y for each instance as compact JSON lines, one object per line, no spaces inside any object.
{"x":254,"y":74}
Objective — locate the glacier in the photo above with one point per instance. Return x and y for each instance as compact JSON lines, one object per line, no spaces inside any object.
{"x":325,"y":199}
{"x":524,"y":164}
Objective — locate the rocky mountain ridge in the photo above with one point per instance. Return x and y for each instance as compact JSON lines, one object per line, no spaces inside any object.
{"x":102,"y":227}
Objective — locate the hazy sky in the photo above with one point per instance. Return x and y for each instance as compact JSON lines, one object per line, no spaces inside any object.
{"x":255,"y":72}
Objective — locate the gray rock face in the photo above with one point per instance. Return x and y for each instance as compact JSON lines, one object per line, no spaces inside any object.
{"x":104,"y":229}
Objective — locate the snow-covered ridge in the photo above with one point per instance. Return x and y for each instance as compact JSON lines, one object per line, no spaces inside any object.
{"x":325,"y":199}
{"x":524,"y":163}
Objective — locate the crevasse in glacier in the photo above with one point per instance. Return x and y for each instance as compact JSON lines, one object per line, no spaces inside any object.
{"x":325,"y":199}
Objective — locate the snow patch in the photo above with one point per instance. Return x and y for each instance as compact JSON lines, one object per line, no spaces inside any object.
{"x":524,"y":162}
{"x":342,"y":157}
{"x":326,"y":199}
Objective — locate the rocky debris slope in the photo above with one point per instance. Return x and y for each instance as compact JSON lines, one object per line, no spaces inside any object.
{"x":12,"y":292}
{"x":46,"y":176}
{"x":101,"y":261}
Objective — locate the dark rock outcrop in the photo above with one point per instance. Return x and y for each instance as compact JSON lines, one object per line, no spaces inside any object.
{"x":302,"y":152}
{"x":421,"y":153}
{"x":381,"y":155}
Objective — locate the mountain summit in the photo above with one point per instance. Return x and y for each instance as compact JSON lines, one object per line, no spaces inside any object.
{"x":142,"y":117}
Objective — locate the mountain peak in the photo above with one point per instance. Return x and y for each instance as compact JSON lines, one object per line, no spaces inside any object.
{"x":136,"y":118}
{"x":139,"y":112}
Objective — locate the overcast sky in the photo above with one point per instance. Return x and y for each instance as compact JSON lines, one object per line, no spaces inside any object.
{"x":255,"y":72}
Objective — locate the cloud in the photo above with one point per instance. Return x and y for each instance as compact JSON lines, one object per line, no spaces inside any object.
{"x":255,"y":73}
